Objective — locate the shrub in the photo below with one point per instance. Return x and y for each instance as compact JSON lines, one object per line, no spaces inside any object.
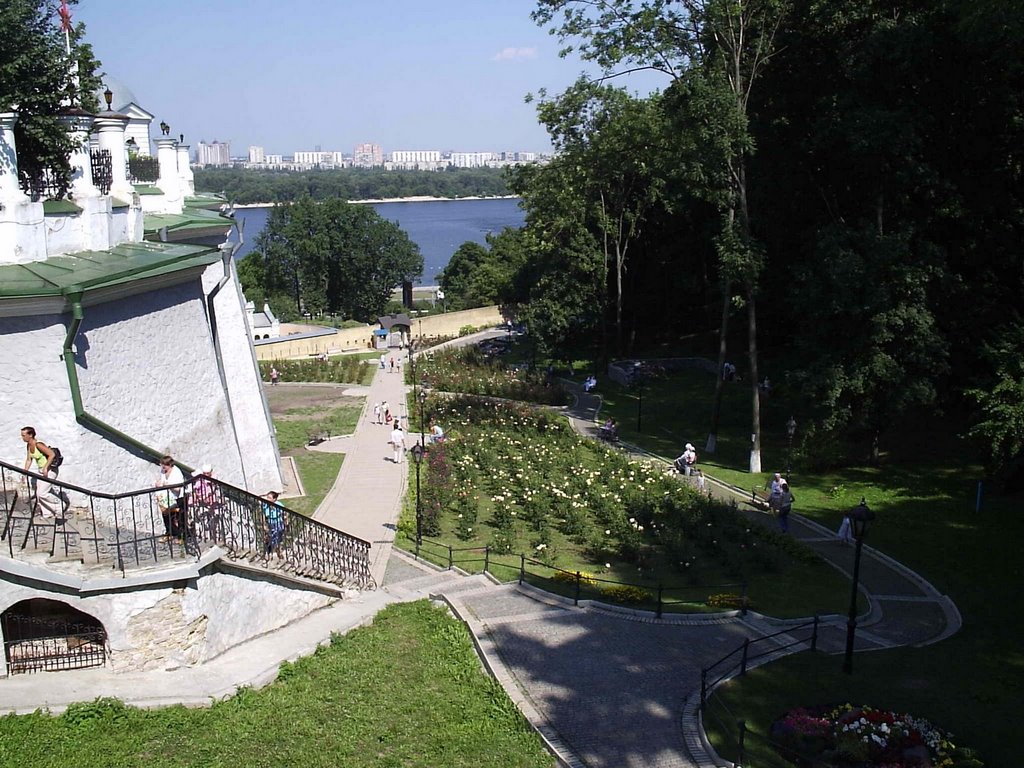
{"x":726,"y":600}
{"x":625,"y":594}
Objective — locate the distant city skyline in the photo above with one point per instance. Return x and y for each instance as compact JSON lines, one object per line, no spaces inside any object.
{"x":451,"y":75}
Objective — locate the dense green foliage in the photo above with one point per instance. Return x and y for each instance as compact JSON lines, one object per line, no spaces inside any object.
{"x":342,"y":369}
{"x":245,"y":185}
{"x":35,"y":82}
{"x":845,"y":179}
{"x":328,"y":256}
{"x":469,"y":371}
{"x":406,"y":691}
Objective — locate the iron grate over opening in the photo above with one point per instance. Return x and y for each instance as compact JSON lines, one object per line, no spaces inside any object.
{"x":36,"y":644}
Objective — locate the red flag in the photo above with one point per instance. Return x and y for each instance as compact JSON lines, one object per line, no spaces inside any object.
{"x":65,"y":16}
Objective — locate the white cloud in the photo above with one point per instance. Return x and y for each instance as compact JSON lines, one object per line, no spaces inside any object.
{"x":511,"y":54}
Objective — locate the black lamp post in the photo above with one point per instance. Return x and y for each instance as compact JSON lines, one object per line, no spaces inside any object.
{"x":422,"y":397}
{"x":790,"y":431}
{"x":860,"y":519}
{"x":417,"y":455}
{"x":638,"y":380}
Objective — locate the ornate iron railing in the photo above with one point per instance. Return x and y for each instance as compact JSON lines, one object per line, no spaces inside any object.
{"x":102,"y":170}
{"x":143,"y":169}
{"x":148,"y":527}
{"x":42,"y":183}
{"x":36,"y":644}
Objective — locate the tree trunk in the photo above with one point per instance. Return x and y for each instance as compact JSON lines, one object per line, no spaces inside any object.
{"x":723,"y":331}
{"x":755,"y":433}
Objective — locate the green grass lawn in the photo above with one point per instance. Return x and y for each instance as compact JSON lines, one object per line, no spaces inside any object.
{"x":294,"y":429}
{"x":923,"y":493}
{"x":406,"y":691}
{"x":318,"y":472}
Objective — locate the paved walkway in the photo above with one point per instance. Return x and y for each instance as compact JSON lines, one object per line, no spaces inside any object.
{"x":366,"y":498}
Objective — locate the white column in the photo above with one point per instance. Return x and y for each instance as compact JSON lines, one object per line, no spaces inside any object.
{"x":10,"y":192}
{"x":169,"y":181}
{"x":185,"y":175}
{"x":78,"y":124}
{"x":109,"y":128}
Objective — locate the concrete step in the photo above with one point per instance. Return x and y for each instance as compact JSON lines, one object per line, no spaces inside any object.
{"x":467,"y":584}
{"x":425,"y":585}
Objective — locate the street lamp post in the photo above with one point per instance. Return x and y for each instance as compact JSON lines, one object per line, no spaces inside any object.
{"x":422,"y":398}
{"x":790,"y":431}
{"x":417,"y":455}
{"x":860,"y":519}
{"x":638,"y":379}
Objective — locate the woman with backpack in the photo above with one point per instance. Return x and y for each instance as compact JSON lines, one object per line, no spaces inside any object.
{"x":47,"y":460}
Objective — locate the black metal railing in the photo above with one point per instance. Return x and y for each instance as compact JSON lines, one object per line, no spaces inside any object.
{"x":36,"y":644}
{"x":734,"y":731}
{"x":151,"y":526}
{"x":102,"y":170}
{"x":42,"y":183}
{"x":659,"y":598}
{"x":143,"y":169}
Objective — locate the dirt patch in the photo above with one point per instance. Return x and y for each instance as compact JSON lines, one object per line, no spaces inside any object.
{"x":291,"y":397}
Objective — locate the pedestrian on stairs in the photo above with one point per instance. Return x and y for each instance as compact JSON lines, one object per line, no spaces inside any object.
{"x":173,"y":501}
{"x":37,"y":451}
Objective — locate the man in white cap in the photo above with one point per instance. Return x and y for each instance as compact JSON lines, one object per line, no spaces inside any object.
{"x":687,"y":460}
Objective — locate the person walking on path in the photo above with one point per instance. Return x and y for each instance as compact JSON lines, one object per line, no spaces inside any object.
{"x":392,"y":364}
{"x":45,"y":459}
{"x":687,"y":461}
{"x":274,"y":376}
{"x":783,"y":505}
{"x":387,"y":412}
{"x":383,"y":361}
{"x":398,"y":442}
{"x":376,"y":413}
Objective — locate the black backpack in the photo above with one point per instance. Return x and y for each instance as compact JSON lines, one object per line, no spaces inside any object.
{"x":58,"y":457}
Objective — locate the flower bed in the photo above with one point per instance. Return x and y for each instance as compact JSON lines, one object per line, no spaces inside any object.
{"x":846,"y":736}
{"x":346,"y":369}
{"x":469,"y":371}
{"x":518,"y":479}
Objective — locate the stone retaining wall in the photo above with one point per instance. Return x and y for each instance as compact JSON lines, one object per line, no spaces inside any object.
{"x":447,"y":324}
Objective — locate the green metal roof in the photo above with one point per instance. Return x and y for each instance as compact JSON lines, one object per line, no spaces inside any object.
{"x":205,"y":201}
{"x":89,"y":270}
{"x":147,"y":189}
{"x":192,"y":218}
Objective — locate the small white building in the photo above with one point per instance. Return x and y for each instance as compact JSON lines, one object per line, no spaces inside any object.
{"x":262,"y":325}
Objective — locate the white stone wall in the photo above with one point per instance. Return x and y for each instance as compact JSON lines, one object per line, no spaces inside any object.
{"x":147,"y":367}
{"x":165,"y":628}
{"x":253,"y":428}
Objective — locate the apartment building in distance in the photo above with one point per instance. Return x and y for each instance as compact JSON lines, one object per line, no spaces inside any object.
{"x":213,"y":153}
{"x":257,"y":156}
{"x":312,"y":159}
{"x":368,"y":156}
{"x":416,"y":160}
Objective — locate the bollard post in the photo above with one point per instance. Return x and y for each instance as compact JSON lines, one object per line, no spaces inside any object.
{"x":522,"y":568}
{"x":744,"y":600}
{"x":743,"y":663}
{"x":487,"y":558}
{"x":741,"y":726}
{"x":814,"y":635}
{"x":576,"y":599}
{"x":451,"y":559}
{"x":659,"y":600}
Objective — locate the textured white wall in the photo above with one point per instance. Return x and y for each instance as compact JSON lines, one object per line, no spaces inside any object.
{"x":147,"y":367}
{"x":253,"y":428}
{"x":163,"y":628}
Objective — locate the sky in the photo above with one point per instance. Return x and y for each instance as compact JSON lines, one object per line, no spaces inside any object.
{"x":287,"y":76}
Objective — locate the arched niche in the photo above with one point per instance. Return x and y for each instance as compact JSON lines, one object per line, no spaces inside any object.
{"x":43,"y":635}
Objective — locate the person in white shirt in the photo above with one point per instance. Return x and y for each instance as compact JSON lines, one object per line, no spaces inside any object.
{"x":437,"y":434}
{"x":398,"y":442}
{"x":172,"y":502}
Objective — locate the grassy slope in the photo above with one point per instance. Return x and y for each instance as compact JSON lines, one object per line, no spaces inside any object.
{"x":406,"y":691}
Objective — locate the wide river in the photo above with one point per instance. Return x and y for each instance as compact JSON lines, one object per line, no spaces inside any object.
{"x":437,"y":227}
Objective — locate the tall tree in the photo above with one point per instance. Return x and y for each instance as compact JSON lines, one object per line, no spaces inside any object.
{"x":36,"y":82}
{"x":727,"y":42}
{"x":331,"y":257}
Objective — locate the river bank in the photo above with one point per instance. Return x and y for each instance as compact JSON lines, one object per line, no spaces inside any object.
{"x":413,"y":199}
